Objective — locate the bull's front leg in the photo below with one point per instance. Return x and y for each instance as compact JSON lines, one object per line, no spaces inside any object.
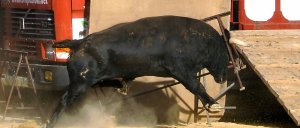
{"x":58,"y":110}
{"x":80,"y":80}
{"x":192,"y":84}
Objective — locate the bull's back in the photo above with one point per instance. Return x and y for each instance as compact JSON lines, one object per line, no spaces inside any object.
{"x":156,"y":35}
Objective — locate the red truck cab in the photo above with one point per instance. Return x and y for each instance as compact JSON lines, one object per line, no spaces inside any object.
{"x":33,"y":26}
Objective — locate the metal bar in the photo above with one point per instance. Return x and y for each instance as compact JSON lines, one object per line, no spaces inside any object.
{"x":224,"y":92}
{"x":25,"y":46}
{"x":153,"y":90}
{"x":12,"y":88}
{"x":30,"y":18}
{"x":15,"y":77}
{"x":220,"y":96}
{"x":207,"y":113}
{"x":196,"y":102}
{"x":230,"y":54}
{"x":27,"y":33}
{"x":216,"y":16}
{"x":30,"y":75}
{"x":23,"y":18}
{"x":32,"y":13}
{"x":29,"y":23}
{"x":13,"y":51}
{"x":226,"y":107}
{"x":166,"y":86}
{"x":42,"y":114}
{"x":196,"y":99}
{"x":3,"y":65}
{"x":37,"y":28}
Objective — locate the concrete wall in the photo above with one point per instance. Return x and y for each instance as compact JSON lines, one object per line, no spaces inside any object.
{"x":105,"y":13}
{"x":172,"y":104}
{"x":1,"y":27}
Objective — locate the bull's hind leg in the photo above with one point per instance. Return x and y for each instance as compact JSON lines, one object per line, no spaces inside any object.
{"x":192,"y":84}
{"x":71,"y":96}
{"x":81,"y":76}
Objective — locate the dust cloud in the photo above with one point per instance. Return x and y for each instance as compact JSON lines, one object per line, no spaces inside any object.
{"x":111,"y":113}
{"x":89,"y":116}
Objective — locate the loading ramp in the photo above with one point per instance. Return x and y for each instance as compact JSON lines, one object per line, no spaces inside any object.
{"x":275,"y":57}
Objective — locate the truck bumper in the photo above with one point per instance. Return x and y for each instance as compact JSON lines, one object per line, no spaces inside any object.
{"x":58,"y":75}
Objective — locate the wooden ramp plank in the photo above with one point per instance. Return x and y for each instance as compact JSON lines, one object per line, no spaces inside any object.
{"x":284,"y":89}
{"x":296,"y":116}
{"x":276,"y":60}
{"x":272,"y":44}
{"x":279,"y":73}
{"x":291,"y":105}
{"x":290,"y":102}
{"x":270,"y":57}
{"x":292,"y":46}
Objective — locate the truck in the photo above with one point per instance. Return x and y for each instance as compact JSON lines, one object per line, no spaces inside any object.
{"x":33,"y":26}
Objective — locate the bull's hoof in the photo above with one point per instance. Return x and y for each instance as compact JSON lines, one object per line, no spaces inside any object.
{"x":214,"y":108}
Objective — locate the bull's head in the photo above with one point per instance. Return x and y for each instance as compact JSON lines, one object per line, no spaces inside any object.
{"x":219,"y":62}
{"x":219,"y":72}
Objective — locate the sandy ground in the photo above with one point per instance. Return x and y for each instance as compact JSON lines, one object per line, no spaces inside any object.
{"x":32,"y":124}
{"x":256,"y":108}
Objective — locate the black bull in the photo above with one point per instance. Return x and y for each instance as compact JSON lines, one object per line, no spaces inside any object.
{"x":166,"y":46}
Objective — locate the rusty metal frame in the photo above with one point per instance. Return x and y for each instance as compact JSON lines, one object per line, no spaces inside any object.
{"x":23,"y":56}
{"x":230,"y":48}
{"x":235,"y":64}
{"x":234,"y":61}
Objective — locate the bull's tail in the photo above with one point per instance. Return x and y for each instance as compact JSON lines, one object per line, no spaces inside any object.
{"x":72,"y":44}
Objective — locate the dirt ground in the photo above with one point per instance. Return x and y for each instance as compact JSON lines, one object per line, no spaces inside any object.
{"x":256,"y":107}
{"x":31,"y":124}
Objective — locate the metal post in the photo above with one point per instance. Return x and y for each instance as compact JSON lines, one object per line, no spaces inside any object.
{"x":12,"y":88}
{"x":196,"y":102}
{"x":207,"y":113}
{"x":1,"y":84}
{"x":30,"y":75}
